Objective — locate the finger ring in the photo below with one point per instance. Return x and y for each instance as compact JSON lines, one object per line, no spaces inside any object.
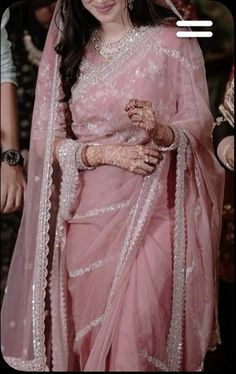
{"x":147,"y":159}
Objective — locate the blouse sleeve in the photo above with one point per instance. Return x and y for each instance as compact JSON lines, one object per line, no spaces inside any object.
{"x":8,"y":70}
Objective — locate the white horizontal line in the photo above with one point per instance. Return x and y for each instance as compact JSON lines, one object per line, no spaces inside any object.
{"x":194,"y":34}
{"x":194,"y":23}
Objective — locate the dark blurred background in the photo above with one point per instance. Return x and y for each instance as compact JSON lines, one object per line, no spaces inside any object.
{"x":27,"y":30}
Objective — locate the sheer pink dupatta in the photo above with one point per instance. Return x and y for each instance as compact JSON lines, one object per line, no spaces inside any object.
{"x":24,"y":305}
{"x":201,"y":197}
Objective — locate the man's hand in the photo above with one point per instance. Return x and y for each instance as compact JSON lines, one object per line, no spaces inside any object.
{"x":13,"y":188}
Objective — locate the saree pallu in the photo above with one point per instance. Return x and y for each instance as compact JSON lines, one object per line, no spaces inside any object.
{"x":117,"y":271}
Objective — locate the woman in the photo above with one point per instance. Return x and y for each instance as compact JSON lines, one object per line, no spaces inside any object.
{"x":122,"y":276}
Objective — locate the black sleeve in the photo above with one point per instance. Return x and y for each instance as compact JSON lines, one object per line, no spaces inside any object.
{"x":219,"y":132}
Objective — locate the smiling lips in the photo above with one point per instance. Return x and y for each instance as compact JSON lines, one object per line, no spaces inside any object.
{"x":104,"y":9}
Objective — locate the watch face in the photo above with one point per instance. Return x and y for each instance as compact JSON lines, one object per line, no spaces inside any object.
{"x":12,"y":157}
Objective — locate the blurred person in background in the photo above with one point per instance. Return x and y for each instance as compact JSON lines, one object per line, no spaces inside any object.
{"x":218,"y":50}
{"x":13,"y":184}
{"x":223,"y":137}
{"x":186,"y":8}
{"x":27,"y":30}
{"x":223,"y":131}
{"x":218,"y":54}
{"x":12,"y":178}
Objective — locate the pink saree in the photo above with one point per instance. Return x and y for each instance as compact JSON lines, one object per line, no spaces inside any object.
{"x":114,"y":271}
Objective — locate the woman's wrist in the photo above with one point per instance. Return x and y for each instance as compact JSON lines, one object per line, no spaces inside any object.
{"x":63,"y":147}
{"x":166,"y":138}
{"x":87,"y":156}
{"x":93,"y":155}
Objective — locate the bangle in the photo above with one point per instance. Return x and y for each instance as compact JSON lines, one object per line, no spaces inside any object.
{"x":175,"y":142}
{"x":84,"y":156}
{"x":80,"y":158}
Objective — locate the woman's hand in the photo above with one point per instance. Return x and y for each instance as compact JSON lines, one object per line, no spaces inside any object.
{"x":142,"y":114}
{"x":139,"y":159}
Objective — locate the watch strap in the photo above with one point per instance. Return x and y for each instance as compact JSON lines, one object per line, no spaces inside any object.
{"x":5,"y":155}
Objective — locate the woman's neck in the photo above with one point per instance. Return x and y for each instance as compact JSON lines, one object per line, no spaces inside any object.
{"x":115,"y":30}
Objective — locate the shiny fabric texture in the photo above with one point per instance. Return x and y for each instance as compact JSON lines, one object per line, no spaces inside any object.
{"x":114,"y":271}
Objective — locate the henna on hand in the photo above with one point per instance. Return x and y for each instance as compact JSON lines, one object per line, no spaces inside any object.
{"x":139,"y":159}
{"x":142,"y":115}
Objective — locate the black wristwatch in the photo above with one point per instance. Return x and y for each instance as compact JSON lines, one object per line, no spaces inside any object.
{"x":12,"y":157}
